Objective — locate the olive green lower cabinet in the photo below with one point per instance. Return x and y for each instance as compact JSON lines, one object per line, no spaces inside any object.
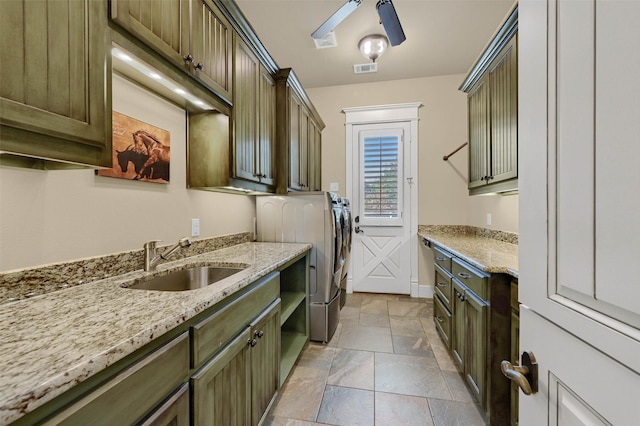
{"x":130,"y":395}
{"x":472,"y":314}
{"x":222,"y":367}
{"x":237,"y":386}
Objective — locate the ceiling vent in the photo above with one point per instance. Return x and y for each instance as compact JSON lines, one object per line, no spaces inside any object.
{"x":364,"y":68}
{"x":328,"y":41}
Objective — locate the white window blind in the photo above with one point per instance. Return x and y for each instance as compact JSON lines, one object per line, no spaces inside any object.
{"x":381,"y":179}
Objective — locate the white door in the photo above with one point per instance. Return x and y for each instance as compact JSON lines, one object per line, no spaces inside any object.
{"x":579,"y":147}
{"x":381,"y":208}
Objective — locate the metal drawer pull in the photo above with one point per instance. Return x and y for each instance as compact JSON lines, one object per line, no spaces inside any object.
{"x":525,"y":375}
{"x":464,"y":275}
{"x":442,"y":284}
{"x":441,"y":259}
{"x":440,"y":320}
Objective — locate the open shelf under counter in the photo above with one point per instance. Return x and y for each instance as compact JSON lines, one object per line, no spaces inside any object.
{"x":291,"y":344}
{"x":290,"y":302}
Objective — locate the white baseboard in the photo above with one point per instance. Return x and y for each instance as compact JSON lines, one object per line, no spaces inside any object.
{"x":422,"y":291}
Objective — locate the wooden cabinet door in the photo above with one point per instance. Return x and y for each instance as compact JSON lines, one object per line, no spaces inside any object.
{"x":211,"y":47}
{"x":163,"y":25}
{"x":315,"y":161}
{"x":476,"y":335}
{"x":459,"y":325}
{"x":174,"y":412}
{"x":303,"y":147}
{"x":503,"y":84}
{"x":265,"y":360}
{"x":221,"y":389}
{"x":267,"y":128}
{"x":295,"y":114}
{"x":53,"y":98}
{"x":245,"y":121}
{"x":479,"y":134}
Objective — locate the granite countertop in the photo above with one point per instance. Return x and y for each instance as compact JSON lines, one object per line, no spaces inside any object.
{"x":486,"y":253}
{"x":50,"y":343}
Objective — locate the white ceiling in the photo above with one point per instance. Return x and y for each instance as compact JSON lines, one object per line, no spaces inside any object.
{"x":443,"y":37}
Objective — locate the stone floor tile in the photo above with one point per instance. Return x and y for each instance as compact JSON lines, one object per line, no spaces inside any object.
{"x":314,"y":362}
{"x":353,"y":299}
{"x":410,"y":309}
{"x":289,"y":403}
{"x":353,"y":369}
{"x":375,"y":339}
{"x":374,"y":306}
{"x":458,"y":386}
{"x":392,"y":409}
{"x":347,"y":407}
{"x":454,"y":413}
{"x":412,"y":345}
{"x":350,"y":312}
{"x":284,"y":421}
{"x":409,"y":375}
{"x":444,"y":358}
{"x":374,"y":320}
{"x":333,"y":342}
{"x":406,"y":326}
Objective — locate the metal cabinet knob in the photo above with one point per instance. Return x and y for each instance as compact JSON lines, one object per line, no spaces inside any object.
{"x":188,"y":59}
{"x":259,"y":334}
{"x":199,"y":66}
{"x":252,"y":342}
{"x":525,"y":375}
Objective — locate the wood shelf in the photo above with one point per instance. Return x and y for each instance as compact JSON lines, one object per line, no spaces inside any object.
{"x":291,"y":346}
{"x":290,"y":301}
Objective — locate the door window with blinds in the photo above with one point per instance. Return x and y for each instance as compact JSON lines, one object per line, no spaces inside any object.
{"x":381,"y":169}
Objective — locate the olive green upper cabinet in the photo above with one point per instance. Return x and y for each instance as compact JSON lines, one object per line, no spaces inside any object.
{"x":492,"y":88}
{"x":193,"y":34}
{"x":299,"y":136}
{"x":253,"y":118}
{"x":54,"y":83}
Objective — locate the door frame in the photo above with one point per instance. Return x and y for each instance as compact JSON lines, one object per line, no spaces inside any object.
{"x":379,"y":114}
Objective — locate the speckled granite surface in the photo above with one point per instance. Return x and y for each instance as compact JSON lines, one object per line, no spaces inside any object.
{"x":29,"y":282}
{"x":486,"y":250}
{"x":50,"y":342}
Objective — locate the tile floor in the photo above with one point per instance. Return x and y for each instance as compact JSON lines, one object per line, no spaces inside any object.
{"x":385,"y":365}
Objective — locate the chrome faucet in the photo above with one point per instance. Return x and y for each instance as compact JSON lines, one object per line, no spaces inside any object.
{"x":151,"y":256}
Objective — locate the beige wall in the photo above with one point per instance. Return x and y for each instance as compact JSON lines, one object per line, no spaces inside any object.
{"x":51,"y":216}
{"x":443,"y":195}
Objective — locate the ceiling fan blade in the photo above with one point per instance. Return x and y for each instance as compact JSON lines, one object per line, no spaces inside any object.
{"x":337,"y":17}
{"x":390,"y":22}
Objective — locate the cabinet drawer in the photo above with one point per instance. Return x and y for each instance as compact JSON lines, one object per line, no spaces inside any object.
{"x":442,"y":318}
{"x":211,"y":334}
{"x":472,"y":277}
{"x":443,"y":287}
{"x":133,"y":393}
{"x":442,"y":258}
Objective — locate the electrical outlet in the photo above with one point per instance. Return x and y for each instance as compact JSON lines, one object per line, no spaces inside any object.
{"x":334,"y":186}
{"x":489,"y":219}
{"x":195,"y":227}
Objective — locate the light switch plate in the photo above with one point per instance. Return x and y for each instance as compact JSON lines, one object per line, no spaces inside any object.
{"x":334,"y":186}
{"x":195,"y":227}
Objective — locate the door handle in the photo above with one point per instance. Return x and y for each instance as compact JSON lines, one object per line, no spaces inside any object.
{"x":358,"y":230}
{"x":524,"y":375}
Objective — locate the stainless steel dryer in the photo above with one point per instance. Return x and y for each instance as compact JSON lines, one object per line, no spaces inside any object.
{"x":310,"y":217}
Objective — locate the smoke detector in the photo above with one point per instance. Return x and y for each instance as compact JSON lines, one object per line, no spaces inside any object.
{"x":365,"y":68}
{"x":327,"y":41}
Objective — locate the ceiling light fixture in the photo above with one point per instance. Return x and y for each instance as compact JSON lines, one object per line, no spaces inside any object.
{"x":373,"y":46}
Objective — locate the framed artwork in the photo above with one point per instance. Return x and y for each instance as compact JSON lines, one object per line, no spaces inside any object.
{"x":140,"y":151}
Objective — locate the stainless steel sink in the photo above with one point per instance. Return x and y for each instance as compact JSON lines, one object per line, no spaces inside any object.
{"x":187,"y":279}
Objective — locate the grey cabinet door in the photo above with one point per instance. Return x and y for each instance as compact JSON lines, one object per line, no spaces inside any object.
{"x":221,"y":389}
{"x":211,"y":38}
{"x":267,"y":128}
{"x":55,"y":70}
{"x":476,"y":336}
{"x":479,"y":133}
{"x":246,"y":69}
{"x":265,"y":360}
{"x":459,"y":325}
{"x":295,"y":118}
{"x":503,"y":83}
